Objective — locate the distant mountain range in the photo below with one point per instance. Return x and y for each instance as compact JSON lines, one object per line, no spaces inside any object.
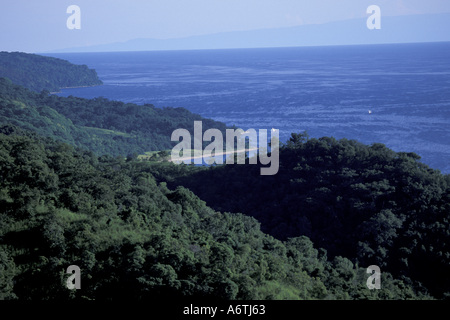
{"x":400,"y":29}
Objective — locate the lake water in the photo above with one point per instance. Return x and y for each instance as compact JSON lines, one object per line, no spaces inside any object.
{"x":398,"y":95}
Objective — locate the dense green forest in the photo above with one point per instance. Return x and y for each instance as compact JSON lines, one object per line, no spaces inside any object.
{"x":367,"y":203}
{"x":100,"y":125}
{"x":38,"y":73}
{"x":135,"y":238}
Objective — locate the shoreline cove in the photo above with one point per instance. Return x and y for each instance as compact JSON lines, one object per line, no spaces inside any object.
{"x":218,"y":154}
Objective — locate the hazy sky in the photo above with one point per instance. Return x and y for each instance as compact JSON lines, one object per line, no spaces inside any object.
{"x":38,"y":26}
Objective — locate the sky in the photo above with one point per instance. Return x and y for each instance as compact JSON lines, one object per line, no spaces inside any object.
{"x":40,"y":26}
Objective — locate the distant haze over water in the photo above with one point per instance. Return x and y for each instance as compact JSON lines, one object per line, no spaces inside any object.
{"x":396,"y":94}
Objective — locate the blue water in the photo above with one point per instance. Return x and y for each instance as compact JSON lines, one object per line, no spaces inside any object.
{"x":327,"y":91}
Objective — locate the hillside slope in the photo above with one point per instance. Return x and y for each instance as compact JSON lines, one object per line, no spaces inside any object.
{"x":99,"y":125}
{"x":38,"y":73}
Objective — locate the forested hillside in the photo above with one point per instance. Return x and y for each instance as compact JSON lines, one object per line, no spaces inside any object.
{"x":135,"y":238}
{"x":366,"y":203}
{"x":99,"y":125}
{"x":38,"y":73}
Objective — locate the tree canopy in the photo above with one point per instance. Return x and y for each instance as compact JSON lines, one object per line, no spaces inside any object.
{"x":135,"y":238}
{"x":364,"y":202}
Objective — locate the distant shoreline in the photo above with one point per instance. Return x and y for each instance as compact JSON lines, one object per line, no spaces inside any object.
{"x":95,"y":85}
